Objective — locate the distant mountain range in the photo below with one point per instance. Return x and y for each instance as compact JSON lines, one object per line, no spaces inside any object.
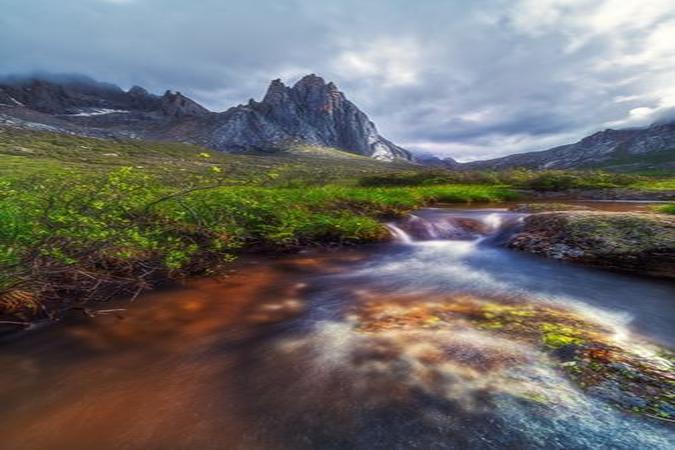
{"x":312,"y":112}
{"x":628,"y":149}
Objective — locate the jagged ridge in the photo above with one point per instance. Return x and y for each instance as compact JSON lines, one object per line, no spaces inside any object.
{"x":311,"y":112}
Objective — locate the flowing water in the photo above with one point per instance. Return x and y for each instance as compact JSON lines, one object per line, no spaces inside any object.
{"x":364,"y":349}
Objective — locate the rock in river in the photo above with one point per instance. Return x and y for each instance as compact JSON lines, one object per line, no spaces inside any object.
{"x":633,"y":242}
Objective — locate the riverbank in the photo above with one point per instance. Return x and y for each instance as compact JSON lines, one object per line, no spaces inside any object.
{"x":71,"y":248}
{"x":68,"y":245}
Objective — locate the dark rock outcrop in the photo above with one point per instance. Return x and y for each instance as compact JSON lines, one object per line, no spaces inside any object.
{"x":430,"y":160}
{"x":311,"y":112}
{"x":176,"y":105}
{"x":62,"y":94}
{"x":631,"y":242}
{"x":140,"y":99}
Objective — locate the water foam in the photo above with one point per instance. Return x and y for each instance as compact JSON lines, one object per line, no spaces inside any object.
{"x":473,"y":377}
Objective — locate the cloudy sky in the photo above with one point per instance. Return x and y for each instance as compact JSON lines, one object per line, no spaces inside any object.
{"x":471,"y":79}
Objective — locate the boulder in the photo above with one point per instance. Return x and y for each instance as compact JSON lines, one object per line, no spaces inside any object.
{"x":642,"y":243}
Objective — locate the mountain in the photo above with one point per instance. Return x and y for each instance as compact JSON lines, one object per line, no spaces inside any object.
{"x":311,"y":112}
{"x":430,"y":160}
{"x":627,"y":149}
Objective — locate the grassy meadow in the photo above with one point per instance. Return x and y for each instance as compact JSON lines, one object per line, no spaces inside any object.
{"x":85,"y":219}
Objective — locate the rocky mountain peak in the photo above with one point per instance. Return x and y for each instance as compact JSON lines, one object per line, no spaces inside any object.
{"x":176,"y":105}
{"x":137,"y":91}
{"x":62,"y":94}
{"x":309,"y":81}
{"x":310,"y":93}
{"x":277,"y":93}
{"x":141,"y":99}
{"x":311,"y":112}
{"x":625,"y":149}
{"x":317,"y":95}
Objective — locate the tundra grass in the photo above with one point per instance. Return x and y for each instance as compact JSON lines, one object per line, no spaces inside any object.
{"x":666,"y":209}
{"x":90,"y":236}
{"x":27,"y":153}
{"x":659,"y":184}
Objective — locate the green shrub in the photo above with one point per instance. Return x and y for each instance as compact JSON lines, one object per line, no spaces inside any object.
{"x":667,"y":209}
{"x":542,"y":180}
{"x":75,"y":233}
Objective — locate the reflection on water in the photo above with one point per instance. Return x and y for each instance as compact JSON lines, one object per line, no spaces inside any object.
{"x":342,"y":350}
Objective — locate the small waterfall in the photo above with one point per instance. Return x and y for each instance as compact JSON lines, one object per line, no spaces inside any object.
{"x":398,"y":234}
{"x":493,"y":220}
{"x":436,"y":227}
{"x":476,"y":225}
{"x":507,"y":227}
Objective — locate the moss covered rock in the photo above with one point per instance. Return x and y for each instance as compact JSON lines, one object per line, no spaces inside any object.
{"x":624,"y":371}
{"x":634,"y":242}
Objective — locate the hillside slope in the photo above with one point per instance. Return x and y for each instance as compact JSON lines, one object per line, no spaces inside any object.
{"x":34,"y":153}
{"x":630,"y":149}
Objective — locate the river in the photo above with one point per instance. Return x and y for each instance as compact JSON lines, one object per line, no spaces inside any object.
{"x":349,"y":349}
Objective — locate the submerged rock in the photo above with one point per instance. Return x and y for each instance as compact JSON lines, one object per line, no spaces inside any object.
{"x":627,"y":373}
{"x":633,"y":242}
{"x":612,"y":391}
{"x":566,"y":353}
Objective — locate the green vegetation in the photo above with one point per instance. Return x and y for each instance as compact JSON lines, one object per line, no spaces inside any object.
{"x":27,"y":153}
{"x":655,"y":184}
{"x":555,"y":335}
{"x":86,"y":236}
{"x":653,"y":163}
{"x":24,"y":153}
{"x":85,"y":218}
{"x":543,"y":180}
{"x":666,"y":209}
